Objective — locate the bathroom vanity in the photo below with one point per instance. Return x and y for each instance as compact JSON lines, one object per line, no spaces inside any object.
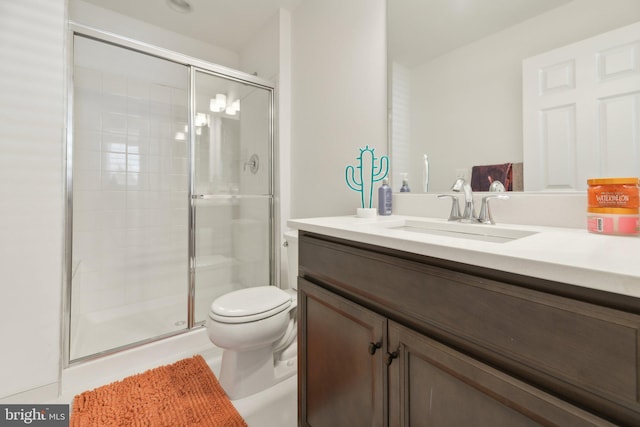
{"x":406,"y":328}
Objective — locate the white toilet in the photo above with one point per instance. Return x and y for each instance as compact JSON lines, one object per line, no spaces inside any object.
{"x":257,"y":330}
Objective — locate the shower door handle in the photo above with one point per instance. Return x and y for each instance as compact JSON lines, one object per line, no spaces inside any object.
{"x":215,"y":196}
{"x":202,"y":196}
{"x":230,"y":196}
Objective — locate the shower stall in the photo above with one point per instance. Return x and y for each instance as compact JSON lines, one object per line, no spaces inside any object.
{"x":170,"y":192}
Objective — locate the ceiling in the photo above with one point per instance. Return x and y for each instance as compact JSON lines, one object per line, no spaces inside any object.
{"x":225,"y":23}
{"x":420,"y":30}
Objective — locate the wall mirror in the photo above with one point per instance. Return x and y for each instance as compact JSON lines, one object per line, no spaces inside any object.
{"x":455,"y":77}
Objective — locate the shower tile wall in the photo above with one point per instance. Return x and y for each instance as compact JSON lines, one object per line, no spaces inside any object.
{"x":130,"y":188}
{"x":130,"y":200}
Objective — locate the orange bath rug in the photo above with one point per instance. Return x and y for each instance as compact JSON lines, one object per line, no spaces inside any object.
{"x":185,"y":393}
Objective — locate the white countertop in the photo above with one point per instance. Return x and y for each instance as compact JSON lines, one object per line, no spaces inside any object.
{"x":568,"y":255}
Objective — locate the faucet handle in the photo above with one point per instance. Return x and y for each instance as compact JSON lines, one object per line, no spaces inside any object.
{"x":454,"y":215}
{"x":485,"y":211}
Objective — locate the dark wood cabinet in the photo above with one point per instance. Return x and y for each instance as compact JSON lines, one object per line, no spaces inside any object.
{"x":342,"y":360}
{"x":431,"y":384}
{"x":393,"y":338}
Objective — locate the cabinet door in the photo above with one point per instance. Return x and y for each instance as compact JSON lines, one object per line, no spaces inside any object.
{"x":340,"y":382}
{"x":433,"y":385}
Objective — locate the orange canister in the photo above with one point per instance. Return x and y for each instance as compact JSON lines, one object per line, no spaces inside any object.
{"x":620,"y":193}
{"x":614,"y":206}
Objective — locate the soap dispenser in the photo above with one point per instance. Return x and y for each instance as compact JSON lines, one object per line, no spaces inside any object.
{"x":384,"y":198}
{"x":405,"y":183}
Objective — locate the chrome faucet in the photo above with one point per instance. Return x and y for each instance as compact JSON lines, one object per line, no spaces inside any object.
{"x":454,"y":215}
{"x":469,"y":214}
{"x":485,"y":211}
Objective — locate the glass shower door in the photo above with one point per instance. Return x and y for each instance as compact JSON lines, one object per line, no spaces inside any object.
{"x":130,"y":193}
{"x":170,"y":193}
{"x":232,"y":188}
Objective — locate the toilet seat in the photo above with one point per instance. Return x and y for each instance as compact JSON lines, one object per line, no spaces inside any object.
{"x":250,"y":304}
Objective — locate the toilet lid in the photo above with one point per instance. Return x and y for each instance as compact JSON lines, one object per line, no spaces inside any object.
{"x":249,"y":305}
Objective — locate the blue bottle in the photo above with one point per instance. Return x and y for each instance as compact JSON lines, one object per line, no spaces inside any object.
{"x":405,"y":184}
{"x":384,"y":198}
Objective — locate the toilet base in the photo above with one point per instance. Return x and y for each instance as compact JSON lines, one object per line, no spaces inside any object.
{"x":247,"y":372}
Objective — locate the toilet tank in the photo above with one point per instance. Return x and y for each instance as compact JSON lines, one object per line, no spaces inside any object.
{"x":291,"y":238}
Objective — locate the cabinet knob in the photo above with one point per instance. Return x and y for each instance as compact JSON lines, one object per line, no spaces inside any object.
{"x":373,"y":347}
{"x":389,"y":357}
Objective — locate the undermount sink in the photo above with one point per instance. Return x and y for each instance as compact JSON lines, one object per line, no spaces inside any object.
{"x":484,"y":232}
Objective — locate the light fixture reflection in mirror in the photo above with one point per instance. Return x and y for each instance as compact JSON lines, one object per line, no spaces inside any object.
{"x":221,"y":104}
{"x":460,"y":100}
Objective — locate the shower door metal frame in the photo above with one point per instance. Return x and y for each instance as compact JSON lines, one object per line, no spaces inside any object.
{"x":193,"y":65}
{"x":273,"y":252}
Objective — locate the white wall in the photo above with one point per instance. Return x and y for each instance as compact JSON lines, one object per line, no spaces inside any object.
{"x":269,"y":55}
{"x":284,"y":136}
{"x":466,"y":106}
{"x":338,"y":99}
{"x":261,"y":54}
{"x":32,"y":54}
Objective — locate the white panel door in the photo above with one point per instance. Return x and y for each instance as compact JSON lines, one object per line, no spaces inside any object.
{"x":581,"y":112}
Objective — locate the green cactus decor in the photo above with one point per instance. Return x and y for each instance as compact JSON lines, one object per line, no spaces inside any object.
{"x":369,"y":171}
